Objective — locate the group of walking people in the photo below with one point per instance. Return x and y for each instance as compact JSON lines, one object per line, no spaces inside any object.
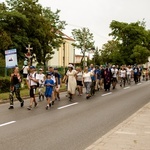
{"x":93,"y":78}
{"x":36,"y":80}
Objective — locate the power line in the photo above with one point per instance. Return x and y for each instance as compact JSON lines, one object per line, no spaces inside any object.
{"x":90,"y":29}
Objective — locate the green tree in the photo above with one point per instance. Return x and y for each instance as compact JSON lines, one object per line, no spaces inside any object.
{"x":129,"y":35}
{"x":140,"y":54}
{"x":26,"y":21}
{"x":84,"y":41}
{"x":96,"y":57}
{"x":11,"y":29}
{"x":110,"y":53}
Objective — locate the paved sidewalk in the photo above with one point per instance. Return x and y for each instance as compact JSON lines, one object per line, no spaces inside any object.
{"x":131,"y":134}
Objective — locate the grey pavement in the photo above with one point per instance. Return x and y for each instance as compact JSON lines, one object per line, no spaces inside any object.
{"x":131,"y":134}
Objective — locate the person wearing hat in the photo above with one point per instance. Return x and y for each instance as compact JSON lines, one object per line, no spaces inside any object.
{"x":41,"y":84}
{"x":72,"y":83}
{"x":49,"y":84}
{"x":32,"y":82}
{"x":114,"y":72}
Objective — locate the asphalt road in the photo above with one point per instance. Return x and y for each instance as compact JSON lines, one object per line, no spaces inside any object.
{"x":69,"y":125}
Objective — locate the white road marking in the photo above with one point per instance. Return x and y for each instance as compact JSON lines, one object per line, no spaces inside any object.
{"x":107,"y":94}
{"x":7,"y":123}
{"x":129,"y":133}
{"x":139,"y":83}
{"x":67,"y":106}
{"x":126,"y":87}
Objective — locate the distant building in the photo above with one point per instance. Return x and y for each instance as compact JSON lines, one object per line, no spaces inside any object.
{"x":78,"y":59}
{"x":146,"y":65}
{"x":65,"y":54}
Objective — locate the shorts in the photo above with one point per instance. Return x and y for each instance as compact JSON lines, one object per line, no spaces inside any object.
{"x":32,"y":91}
{"x":114,"y":79}
{"x":25,"y":75}
{"x":58,"y":87}
{"x":54,"y":87}
{"x":79,"y":83}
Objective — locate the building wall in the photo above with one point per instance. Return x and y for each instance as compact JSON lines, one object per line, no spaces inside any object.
{"x":146,"y":65}
{"x":64,"y":55}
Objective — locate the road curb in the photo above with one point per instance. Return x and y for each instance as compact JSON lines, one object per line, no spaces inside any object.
{"x":118,"y":127}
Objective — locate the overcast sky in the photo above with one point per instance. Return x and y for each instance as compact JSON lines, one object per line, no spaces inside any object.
{"x":98,"y":14}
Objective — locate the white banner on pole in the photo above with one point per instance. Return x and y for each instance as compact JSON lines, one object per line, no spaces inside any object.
{"x":11,"y":58}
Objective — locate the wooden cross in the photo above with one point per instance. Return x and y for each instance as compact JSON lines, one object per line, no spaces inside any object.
{"x":28,"y":54}
{"x":29,"y":48}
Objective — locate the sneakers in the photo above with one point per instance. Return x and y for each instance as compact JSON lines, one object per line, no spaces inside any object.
{"x":29,"y":107}
{"x":42,"y":97}
{"x":52,"y":102}
{"x":35,"y":104}
{"x":87,"y":97}
{"x":11,"y":107}
{"x":47,"y":107}
{"x":22,"y":104}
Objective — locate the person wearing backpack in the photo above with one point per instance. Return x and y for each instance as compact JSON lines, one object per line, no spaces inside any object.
{"x":32,"y":82}
{"x":15,"y":81}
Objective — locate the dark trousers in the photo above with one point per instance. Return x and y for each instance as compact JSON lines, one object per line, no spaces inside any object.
{"x":106,"y":85}
{"x":136,"y":78}
{"x":93,"y":87}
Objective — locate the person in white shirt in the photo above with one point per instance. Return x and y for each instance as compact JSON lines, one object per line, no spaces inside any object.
{"x":24,"y":71}
{"x":32,"y":82}
{"x":87,"y":81}
{"x":79,"y":80}
{"x":41,"y":84}
{"x":72,"y":83}
{"x":114,"y":72}
{"x":123,"y":76}
{"x":129,"y":74}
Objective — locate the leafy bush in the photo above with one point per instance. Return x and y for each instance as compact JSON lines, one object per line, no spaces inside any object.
{"x":4,"y":85}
